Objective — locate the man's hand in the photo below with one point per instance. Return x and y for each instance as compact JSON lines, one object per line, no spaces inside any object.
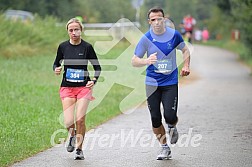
{"x":152,"y":59}
{"x":185,"y":71}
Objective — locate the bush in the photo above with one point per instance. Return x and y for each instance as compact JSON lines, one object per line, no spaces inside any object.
{"x":30,"y":39}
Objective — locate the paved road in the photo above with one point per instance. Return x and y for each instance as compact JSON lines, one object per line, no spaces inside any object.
{"x":215,"y":124}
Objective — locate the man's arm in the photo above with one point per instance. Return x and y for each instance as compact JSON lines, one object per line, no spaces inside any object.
{"x":140,"y":62}
{"x":186,"y":60}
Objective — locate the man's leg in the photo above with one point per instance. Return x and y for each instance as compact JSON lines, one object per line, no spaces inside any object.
{"x":160,"y":134}
{"x":154,"y":100}
{"x":170,"y":104}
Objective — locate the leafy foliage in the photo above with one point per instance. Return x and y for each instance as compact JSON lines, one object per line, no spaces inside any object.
{"x":238,"y":15}
{"x":242,"y":13}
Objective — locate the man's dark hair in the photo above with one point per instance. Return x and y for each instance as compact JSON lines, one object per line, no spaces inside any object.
{"x":155,"y":10}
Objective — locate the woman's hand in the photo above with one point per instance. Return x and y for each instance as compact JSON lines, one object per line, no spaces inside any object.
{"x":90,"y":84}
{"x":58,"y":70}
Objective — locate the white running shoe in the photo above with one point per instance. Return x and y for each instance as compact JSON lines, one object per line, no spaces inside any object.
{"x":79,"y":155}
{"x":165,"y":153}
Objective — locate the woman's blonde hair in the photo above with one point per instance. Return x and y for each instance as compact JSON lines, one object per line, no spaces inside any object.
{"x":75,"y":20}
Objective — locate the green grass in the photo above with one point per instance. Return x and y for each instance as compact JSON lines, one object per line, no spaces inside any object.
{"x":29,"y":39}
{"x":29,"y":107}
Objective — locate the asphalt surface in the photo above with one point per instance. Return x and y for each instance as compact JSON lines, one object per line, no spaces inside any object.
{"x":215,"y":124}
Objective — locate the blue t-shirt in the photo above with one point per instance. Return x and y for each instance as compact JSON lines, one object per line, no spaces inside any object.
{"x":165,"y":71}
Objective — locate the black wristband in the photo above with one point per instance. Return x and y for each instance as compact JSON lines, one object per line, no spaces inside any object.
{"x":94,"y":80}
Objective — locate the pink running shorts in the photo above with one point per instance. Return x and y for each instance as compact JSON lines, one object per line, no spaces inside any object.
{"x":76,"y":92}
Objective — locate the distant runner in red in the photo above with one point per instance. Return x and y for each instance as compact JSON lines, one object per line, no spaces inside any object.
{"x":189,"y":23}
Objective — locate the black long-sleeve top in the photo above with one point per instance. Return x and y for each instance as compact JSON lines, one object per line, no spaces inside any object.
{"x":77,"y":57}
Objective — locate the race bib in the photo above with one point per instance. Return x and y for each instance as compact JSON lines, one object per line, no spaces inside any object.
{"x":75,"y":75}
{"x":163,"y":66}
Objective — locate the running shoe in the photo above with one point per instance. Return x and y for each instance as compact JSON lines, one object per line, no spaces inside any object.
{"x":79,"y":155}
{"x":165,"y":153}
{"x":173,"y":132}
{"x":71,"y":144}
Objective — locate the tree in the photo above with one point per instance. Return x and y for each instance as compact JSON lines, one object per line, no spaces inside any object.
{"x":242,"y":13}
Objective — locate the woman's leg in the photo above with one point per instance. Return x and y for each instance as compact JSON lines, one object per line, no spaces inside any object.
{"x":68,"y":110}
{"x":81,"y":108}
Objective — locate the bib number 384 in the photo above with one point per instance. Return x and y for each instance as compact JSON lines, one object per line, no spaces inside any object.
{"x":75,"y":75}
